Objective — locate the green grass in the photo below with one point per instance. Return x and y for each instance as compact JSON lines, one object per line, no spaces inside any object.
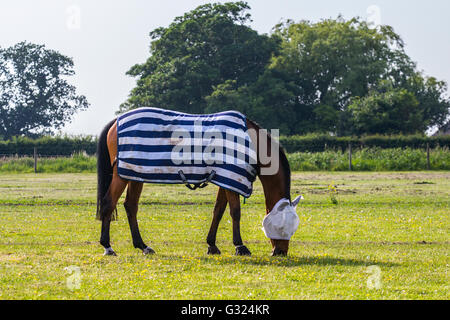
{"x":396,"y":221}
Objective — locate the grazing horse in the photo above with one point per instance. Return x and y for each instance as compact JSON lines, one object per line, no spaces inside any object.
{"x":111,"y":186}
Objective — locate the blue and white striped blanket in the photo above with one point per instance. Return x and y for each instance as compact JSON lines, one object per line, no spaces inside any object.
{"x":154,"y":145}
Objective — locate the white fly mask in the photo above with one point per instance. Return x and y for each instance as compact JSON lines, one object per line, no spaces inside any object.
{"x":282,"y":222}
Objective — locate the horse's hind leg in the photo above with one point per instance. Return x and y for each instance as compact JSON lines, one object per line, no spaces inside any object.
{"x":235,"y":212}
{"x":108,"y":205}
{"x":131,"y":206}
{"x":219,"y":209}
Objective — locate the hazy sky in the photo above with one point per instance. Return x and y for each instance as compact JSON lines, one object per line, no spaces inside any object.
{"x":105,"y":38}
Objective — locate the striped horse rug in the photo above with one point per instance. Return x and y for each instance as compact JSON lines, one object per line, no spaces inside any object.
{"x":169,"y":147}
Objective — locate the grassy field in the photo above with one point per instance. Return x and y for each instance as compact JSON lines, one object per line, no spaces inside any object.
{"x":397,"y":222}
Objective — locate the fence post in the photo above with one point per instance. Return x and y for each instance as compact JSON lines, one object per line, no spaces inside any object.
{"x":350,"y":156}
{"x":35,"y":160}
{"x":428,"y":156}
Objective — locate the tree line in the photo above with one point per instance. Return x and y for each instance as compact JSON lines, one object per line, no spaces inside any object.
{"x":312,"y":143}
{"x":333,"y":76}
{"x":336,"y":76}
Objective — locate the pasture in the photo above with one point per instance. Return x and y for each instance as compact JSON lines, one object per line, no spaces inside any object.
{"x":398,"y":222}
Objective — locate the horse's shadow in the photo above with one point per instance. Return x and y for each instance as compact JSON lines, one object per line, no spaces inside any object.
{"x":295,"y":261}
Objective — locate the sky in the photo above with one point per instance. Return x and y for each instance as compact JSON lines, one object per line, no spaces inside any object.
{"x":106,"y":37}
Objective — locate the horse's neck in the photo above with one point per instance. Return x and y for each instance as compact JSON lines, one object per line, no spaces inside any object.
{"x":274,"y":188}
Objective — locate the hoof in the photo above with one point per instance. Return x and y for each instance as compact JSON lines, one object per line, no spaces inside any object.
{"x":242,"y":251}
{"x":109,"y":252}
{"x":279,"y":253}
{"x":213,"y":250}
{"x":148,"y":251}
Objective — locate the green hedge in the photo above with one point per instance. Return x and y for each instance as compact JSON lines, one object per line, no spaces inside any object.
{"x":320,"y":143}
{"x":373,"y":159}
{"x":49,"y":146}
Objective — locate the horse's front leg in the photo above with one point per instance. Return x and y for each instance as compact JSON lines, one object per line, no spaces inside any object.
{"x":131,"y":205}
{"x":235,"y":212}
{"x":108,"y":205}
{"x":219,"y":209}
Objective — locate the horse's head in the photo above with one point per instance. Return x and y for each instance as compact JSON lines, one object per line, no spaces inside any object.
{"x":281,"y":221}
{"x":280,"y":224}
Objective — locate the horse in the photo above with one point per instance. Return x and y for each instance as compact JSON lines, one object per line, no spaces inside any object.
{"x":277,"y":188}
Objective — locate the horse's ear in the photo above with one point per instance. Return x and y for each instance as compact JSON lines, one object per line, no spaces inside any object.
{"x":296,"y":201}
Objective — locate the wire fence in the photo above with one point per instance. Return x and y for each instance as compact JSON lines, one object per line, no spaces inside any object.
{"x":426,"y":157}
{"x":36,"y":156}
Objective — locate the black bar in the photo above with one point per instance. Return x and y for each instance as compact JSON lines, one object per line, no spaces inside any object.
{"x":223,"y":309}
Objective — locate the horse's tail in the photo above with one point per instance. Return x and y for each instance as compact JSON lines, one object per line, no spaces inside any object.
{"x":104,"y":169}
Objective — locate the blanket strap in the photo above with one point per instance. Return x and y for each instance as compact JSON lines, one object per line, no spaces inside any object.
{"x":197,"y":185}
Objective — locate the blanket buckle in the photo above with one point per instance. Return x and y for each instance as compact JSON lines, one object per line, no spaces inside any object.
{"x":197,"y":185}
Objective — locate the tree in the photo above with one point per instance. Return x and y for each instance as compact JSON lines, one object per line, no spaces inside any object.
{"x":319,"y":71}
{"x":302,"y":78}
{"x":35,"y":97}
{"x":199,"y":51}
{"x":266,"y":101}
{"x":433,"y":100}
{"x":329,"y":62}
{"x":386,"y":110}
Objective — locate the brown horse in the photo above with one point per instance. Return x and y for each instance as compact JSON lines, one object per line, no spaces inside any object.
{"x":111,"y":187}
